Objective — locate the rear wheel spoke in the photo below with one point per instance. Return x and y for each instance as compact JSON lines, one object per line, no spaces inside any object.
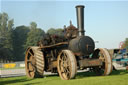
{"x":30,"y":53}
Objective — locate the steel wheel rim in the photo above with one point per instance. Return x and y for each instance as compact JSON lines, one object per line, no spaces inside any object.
{"x":30,"y":62}
{"x":65,"y":66}
{"x":106,"y":68}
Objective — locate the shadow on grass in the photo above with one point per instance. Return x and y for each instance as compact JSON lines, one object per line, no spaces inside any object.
{"x":23,"y":79}
{"x":93,"y":74}
{"x":52,"y":75}
{"x":12,"y":81}
{"x":119,"y":72}
{"x":85,"y":74}
{"x":38,"y":83}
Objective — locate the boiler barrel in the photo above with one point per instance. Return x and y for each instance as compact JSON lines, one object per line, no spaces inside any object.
{"x":82,"y":45}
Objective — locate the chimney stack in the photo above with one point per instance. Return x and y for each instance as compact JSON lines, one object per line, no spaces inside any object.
{"x":80,"y":19}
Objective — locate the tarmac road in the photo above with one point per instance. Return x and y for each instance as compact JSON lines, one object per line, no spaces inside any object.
{"x":17,"y":72}
{"x":21,"y":72}
{"x":12,"y":72}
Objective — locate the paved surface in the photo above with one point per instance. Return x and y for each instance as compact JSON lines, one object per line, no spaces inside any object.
{"x":12,"y":72}
{"x":17,"y":72}
{"x":21,"y":72}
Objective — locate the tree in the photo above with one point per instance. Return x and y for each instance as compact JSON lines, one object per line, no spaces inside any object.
{"x":20,"y":33}
{"x":34,"y":35}
{"x":53,"y":31}
{"x":60,"y":32}
{"x":33,"y":25}
{"x":125,"y":45}
{"x":6,"y":36}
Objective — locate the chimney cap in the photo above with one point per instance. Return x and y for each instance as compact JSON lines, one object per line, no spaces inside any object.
{"x":82,"y":6}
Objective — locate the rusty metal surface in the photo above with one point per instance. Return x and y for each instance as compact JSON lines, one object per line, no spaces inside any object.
{"x":54,"y":64}
{"x":54,"y":45}
{"x":71,"y":32}
{"x":90,"y":62}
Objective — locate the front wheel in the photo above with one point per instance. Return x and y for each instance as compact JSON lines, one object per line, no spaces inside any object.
{"x":103,"y":55}
{"x":67,"y":66}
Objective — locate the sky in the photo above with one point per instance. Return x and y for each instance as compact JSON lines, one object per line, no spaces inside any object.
{"x":106,"y":21}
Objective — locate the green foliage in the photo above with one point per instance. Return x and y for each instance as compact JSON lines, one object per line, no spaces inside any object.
{"x":33,"y":25}
{"x":125,"y":44}
{"x":6,"y":37}
{"x":20,"y":33}
{"x":34,"y":36}
{"x":25,"y":37}
{"x":13,"y":42}
{"x":53,"y":31}
{"x":10,"y":24}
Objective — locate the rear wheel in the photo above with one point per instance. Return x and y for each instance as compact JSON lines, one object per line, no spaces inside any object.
{"x":67,"y":66}
{"x":104,"y":55}
{"x":34,"y":62}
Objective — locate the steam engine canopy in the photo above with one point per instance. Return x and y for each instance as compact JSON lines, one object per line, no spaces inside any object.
{"x":82,"y":45}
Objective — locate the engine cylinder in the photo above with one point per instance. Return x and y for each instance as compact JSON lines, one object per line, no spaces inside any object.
{"x":82,"y":45}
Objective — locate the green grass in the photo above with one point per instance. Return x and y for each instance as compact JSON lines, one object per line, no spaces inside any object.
{"x":84,"y":78}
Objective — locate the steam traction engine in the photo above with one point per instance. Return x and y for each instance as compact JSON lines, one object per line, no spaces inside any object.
{"x":66,"y":54}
